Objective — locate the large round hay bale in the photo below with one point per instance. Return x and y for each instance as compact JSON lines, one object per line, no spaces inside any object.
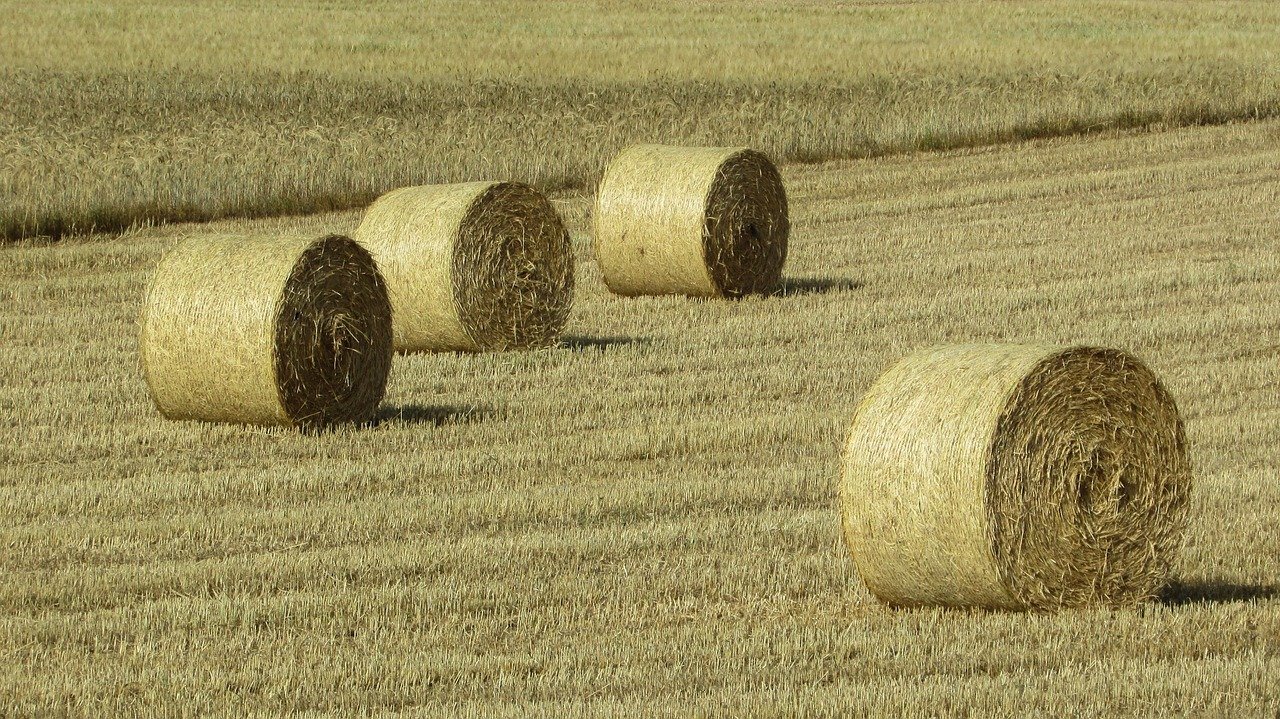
{"x":273,"y":331}
{"x":700,"y":221}
{"x":1019,"y":477}
{"x":472,"y":267}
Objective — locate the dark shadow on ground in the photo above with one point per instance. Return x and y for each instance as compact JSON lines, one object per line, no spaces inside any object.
{"x":437,"y":415}
{"x":581,"y":343}
{"x":793,"y":286}
{"x":1202,"y":592}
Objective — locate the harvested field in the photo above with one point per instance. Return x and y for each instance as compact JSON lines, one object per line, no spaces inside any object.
{"x":115,"y":112}
{"x":644,"y":520}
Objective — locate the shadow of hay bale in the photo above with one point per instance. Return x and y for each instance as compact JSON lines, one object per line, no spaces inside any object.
{"x":435,"y":415}
{"x":1209,"y":592}
{"x":582,"y":343}
{"x":797,"y":286}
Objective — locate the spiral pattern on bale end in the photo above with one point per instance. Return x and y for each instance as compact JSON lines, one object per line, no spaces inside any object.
{"x":1016,"y":477}
{"x":699,"y":221}
{"x":472,"y":267}
{"x":270,"y":331}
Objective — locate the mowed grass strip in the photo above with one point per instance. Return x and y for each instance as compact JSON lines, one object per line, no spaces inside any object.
{"x":643,"y":520}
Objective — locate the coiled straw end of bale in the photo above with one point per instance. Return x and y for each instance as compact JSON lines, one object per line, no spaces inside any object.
{"x":1019,"y":477}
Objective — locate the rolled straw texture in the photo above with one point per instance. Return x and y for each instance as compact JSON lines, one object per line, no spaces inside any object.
{"x":270,"y":331}
{"x":472,"y":267}
{"x":1015,"y":477}
{"x":699,"y":221}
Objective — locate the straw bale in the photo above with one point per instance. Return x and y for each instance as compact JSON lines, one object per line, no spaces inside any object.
{"x":1016,"y":477}
{"x":291,"y":331}
{"x":698,"y":221}
{"x":472,"y":267}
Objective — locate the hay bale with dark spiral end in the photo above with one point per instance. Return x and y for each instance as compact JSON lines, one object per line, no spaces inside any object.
{"x":472,"y":267}
{"x":271,"y":331}
{"x":1015,"y":477}
{"x":699,"y":221}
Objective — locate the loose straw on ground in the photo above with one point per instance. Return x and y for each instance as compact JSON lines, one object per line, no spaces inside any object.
{"x":472,"y":267}
{"x":1017,"y":477}
{"x":271,"y":331}
{"x":699,"y":221}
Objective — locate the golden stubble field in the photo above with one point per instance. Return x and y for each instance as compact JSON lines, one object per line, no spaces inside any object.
{"x":643,"y":520}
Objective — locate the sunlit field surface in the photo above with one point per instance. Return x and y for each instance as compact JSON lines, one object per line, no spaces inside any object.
{"x":642,"y":522}
{"x":119,"y":113}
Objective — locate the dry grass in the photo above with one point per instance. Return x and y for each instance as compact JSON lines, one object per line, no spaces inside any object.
{"x":644,"y":521}
{"x":118,"y":112}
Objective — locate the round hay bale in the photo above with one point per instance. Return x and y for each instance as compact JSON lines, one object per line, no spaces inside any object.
{"x":272,"y":331}
{"x":700,"y":221}
{"x":1015,"y":477}
{"x":472,"y":267}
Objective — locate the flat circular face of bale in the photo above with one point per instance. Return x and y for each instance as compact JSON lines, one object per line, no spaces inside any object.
{"x":698,"y":221}
{"x":745,"y":235}
{"x":1019,"y":477}
{"x":472,"y":267}
{"x":513,"y":269}
{"x":333,"y":335}
{"x":273,"y":331}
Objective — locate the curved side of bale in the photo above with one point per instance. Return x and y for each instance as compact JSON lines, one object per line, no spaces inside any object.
{"x":411,"y":234}
{"x":1015,"y":477}
{"x":699,"y":221}
{"x":472,"y":267}
{"x":270,"y":331}
{"x":913,"y":489}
